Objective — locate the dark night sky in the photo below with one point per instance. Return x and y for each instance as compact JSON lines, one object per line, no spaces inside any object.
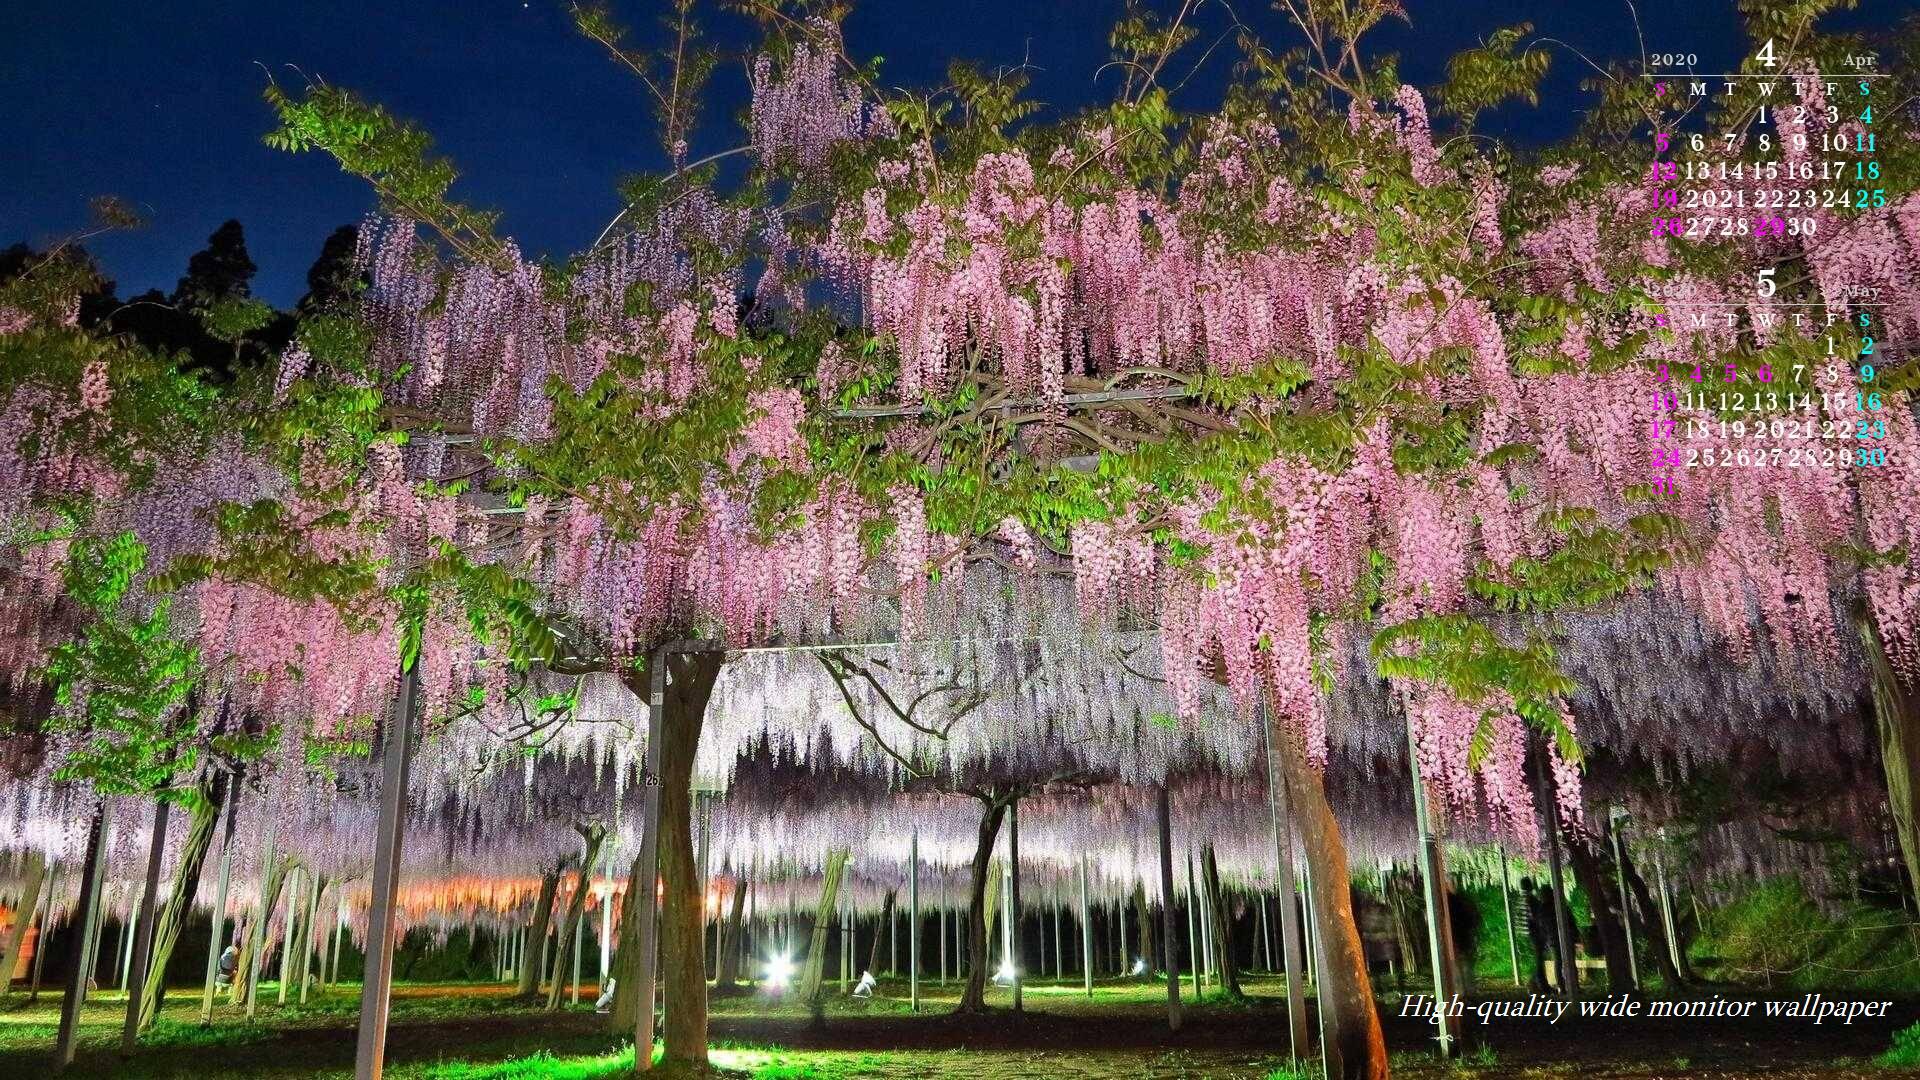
{"x":159,"y":103}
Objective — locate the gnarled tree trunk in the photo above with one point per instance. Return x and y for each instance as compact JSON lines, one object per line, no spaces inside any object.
{"x":1896,"y":714}
{"x":32,"y":884}
{"x":1355,"y":1046}
{"x":203,"y":815}
{"x":530,"y":964}
{"x":880,"y":930}
{"x":1222,"y":923}
{"x":1603,"y":902}
{"x":1656,"y":927}
{"x":813,"y":976}
{"x":731,"y":939}
{"x":572,"y":926}
{"x":973,"y":994}
{"x":624,"y":1014}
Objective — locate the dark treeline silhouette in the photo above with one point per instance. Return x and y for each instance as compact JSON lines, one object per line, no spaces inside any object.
{"x":211,"y":315}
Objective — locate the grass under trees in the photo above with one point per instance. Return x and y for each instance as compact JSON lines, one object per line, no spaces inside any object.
{"x":448,"y":1031}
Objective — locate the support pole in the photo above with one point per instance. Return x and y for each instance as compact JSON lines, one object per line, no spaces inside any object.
{"x":1059,"y":949}
{"x":913,"y":925}
{"x":257,"y":931}
{"x":1666,"y":905}
{"x":306,"y":935}
{"x":647,"y":912}
{"x":1086,"y":932}
{"x":1266,"y":934}
{"x":93,"y":870}
{"x":128,"y":931}
{"x":1013,"y":907}
{"x":376,"y":991}
{"x":1439,"y":926}
{"x":1506,"y":899}
{"x":1193,"y":937}
{"x":339,"y":927}
{"x":606,"y":925}
{"x":1040,"y":961}
{"x":44,"y":936}
{"x":1281,"y":811}
{"x":1166,"y":912}
{"x":142,"y":944}
{"x":216,"y":941}
{"x":1316,"y":956}
{"x":96,"y":931}
{"x":704,"y":821}
{"x":1311,"y":929}
{"x":579,"y":937}
{"x":1626,"y":898}
{"x":290,"y":930}
{"x":1207,"y":951}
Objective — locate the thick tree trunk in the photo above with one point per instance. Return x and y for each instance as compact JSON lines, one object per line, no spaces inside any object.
{"x":1603,"y":901}
{"x":33,"y":879}
{"x":1896,"y":714}
{"x":1404,"y":905}
{"x":1356,"y":1048}
{"x":682,"y":932}
{"x":533,"y":964}
{"x":202,"y":817}
{"x":1143,"y":926}
{"x":973,"y":995}
{"x":1221,"y":925}
{"x":1653,"y":924}
{"x":134,"y":978}
{"x":813,"y":976}
{"x":625,"y":1011}
{"x":573,"y":925}
{"x":731,"y":938}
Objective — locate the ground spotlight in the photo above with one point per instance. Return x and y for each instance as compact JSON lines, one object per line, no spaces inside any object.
{"x":779,"y":972}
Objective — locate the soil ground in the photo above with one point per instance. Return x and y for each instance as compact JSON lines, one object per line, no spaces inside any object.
{"x":477,"y":1032}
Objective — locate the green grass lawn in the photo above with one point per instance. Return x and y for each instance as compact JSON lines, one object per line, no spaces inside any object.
{"x":462,"y":1031}
{"x":478,"y":1032}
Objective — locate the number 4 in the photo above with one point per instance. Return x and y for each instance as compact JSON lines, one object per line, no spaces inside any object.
{"x":1765,"y":55}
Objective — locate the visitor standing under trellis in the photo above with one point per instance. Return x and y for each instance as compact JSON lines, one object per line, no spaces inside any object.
{"x":1536,"y":918}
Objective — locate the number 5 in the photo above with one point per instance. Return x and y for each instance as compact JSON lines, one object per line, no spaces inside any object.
{"x":1764,"y":282}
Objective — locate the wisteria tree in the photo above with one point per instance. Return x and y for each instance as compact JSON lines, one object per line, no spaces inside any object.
{"x":1268,"y":379}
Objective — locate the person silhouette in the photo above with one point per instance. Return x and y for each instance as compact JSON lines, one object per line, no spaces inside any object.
{"x":1538,"y":921}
